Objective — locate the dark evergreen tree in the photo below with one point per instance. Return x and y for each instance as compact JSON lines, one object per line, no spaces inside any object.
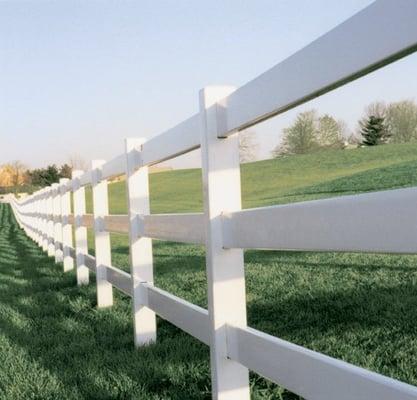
{"x":44,"y":176}
{"x":51,"y":174}
{"x":374,"y":131}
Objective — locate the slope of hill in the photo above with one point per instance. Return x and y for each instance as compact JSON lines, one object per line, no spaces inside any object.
{"x":287,"y":179}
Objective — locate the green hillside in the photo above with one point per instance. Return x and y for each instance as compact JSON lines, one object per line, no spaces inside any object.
{"x":287,"y":179}
{"x":360,"y":308}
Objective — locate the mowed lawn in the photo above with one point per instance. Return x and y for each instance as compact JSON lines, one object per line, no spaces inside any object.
{"x":362,"y":308}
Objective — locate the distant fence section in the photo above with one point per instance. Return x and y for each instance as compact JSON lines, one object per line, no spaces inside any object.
{"x":377,"y":222}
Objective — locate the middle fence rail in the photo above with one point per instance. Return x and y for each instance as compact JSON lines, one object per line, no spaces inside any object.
{"x":375,"y":222}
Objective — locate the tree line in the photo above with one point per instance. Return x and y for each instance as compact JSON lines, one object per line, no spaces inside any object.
{"x":381,"y":123}
{"x":15,"y":175}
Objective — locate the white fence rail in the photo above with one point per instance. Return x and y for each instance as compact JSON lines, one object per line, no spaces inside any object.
{"x":377,"y":222}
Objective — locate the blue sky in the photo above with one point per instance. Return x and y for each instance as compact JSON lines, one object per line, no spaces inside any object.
{"x":77,"y":77}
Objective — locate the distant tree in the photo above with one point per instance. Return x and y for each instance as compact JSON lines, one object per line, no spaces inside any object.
{"x":36,"y":177}
{"x":248,"y":146}
{"x":44,"y":176}
{"x":18,"y":174}
{"x":312,"y":132}
{"x":330,"y":132}
{"x":65,"y":171}
{"x":5,"y":175}
{"x":49,"y":175}
{"x":301,"y":137}
{"x":401,"y":121}
{"x":375,"y":109}
{"x":374,"y":131}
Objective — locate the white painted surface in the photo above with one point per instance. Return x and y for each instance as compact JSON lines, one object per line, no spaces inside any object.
{"x":37,"y":220}
{"x":119,"y":279}
{"x":101,"y":237}
{"x":180,"y":139}
{"x":186,"y":228}
{"x":80,"y":232}
{"x":310,"y":374}
{"x":50,"y":208}
{"x":140,"y":248}
{"x":114,"y":167}
{"x":45,"y":219}
{"x":57,"y":223}
{"x":183,"y":314}
{"x":66,"y":227}
{"x":371,"y":222}
{"x":86,"y":178}
{"x":225,"y":272}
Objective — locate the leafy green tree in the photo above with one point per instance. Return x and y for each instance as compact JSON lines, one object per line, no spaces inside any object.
{"x":301,"y":137}
{"x":309,"y":133}
{"x":374,"y":131}
{"x":330,"y":132}
{"x":401,"y":121}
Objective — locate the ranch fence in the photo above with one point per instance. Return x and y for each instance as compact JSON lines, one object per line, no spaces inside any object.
{"x":376,"y":222}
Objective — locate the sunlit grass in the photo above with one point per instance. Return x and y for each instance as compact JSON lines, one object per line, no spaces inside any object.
{"x":362,"y":308}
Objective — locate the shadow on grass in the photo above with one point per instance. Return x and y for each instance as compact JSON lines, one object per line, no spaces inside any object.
{"x":365,"y":316}
{"x":89,"y":351}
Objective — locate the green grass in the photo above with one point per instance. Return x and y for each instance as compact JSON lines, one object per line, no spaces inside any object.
{"x":281,"y":180}
{"x":362,"y":308}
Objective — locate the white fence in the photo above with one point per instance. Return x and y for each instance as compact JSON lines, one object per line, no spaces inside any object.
{"x":377,"y":222}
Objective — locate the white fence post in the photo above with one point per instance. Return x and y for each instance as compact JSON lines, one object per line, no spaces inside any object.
{"x":225,"y":267}
{"x":26,"y":219}
{"x":66,"y":226}
{"x":45,"y":220}
{"x":50,"y":207}
{"x":80,"y":231}
{"x":102,"y":237}
{"x":31,"y":218}
{"x":57,"y":222}
{"x":37,"y":220}
{"x":141,"y":261}
{"x":39,"y":217}
{"x":26,"y":209}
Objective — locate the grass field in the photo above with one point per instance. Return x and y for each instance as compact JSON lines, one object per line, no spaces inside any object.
{"x":361,"y":308}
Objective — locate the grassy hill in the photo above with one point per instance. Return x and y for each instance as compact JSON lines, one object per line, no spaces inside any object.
{"x":361,"y":308}
{"x":285,"y":180}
